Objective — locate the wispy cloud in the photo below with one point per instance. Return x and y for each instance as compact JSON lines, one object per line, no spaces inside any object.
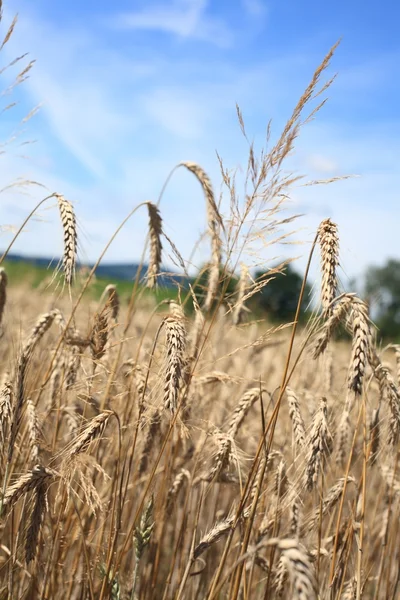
{"x":118,"y":116}
{"x":183,"y":18}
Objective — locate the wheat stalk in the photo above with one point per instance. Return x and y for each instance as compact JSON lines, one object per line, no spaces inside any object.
{"x":3,"y":291}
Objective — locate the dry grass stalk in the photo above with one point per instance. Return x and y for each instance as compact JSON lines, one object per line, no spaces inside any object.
{"x":175,"y":359}
{"x":68,"y":221}
{"x":329,"y":243}
{"x":299,"y":430}
{"x":318,"y":444}
{"x":155,"y":233}
{"x":3,"y":292}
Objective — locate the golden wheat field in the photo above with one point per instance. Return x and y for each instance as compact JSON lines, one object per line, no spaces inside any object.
{"x":167,"y":453}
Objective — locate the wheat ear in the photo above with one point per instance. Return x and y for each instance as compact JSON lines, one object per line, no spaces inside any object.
{"x":215,"y":223}
{"x":68,"y":221}
{"x":318,"y":444}
{"x":175,"y":360}
{"x":155,"y":233}
{"x":329,"y":243}
{"x":299,"y":430}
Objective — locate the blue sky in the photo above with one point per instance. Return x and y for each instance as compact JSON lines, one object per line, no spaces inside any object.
{"x":130,"y":88}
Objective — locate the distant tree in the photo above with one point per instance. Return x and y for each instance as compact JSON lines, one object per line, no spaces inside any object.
{"x":382,"y":288}
{"x":279,"y":297}
{"x":226,"y":288}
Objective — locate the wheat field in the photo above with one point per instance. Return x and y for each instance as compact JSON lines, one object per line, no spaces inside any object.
{"x":198,"y":454}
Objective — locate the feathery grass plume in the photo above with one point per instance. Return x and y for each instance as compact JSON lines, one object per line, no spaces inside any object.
{"x":240,"y":308}
{"x":113,"y":300}
{"x":343,"y":439}
{"x":3,"y":291}
{"x":175,"y":359}
{"x":6,"y":392}
{"x":329,"y":243}
{"x":331,"y":498}
{"x":318,"y":444}
{"x":68,"y":221}
{"x":389,"y":393}
{"x":280,"y":578}
{"x":26,"y":483}
{"x":175,"y":488}
{"x":35,"y":522}
{"x":374,"y":430}
{"x":361,"y":344}
{"x":155,"y":233}
{"x":99,"y":334}
{"x":34,"y":432}
{"x":245,"y":403}
{"x":299,"y":430}
{"x":337,"y":313}
{"x":93,"y":430}
{"x":215,"y":224}
{"x":220,"y":529}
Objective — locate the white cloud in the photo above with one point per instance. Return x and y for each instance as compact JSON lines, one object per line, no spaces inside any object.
{"x":184,"y":18}
{"x":255,"y":8}
{"x":113,"y":126}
